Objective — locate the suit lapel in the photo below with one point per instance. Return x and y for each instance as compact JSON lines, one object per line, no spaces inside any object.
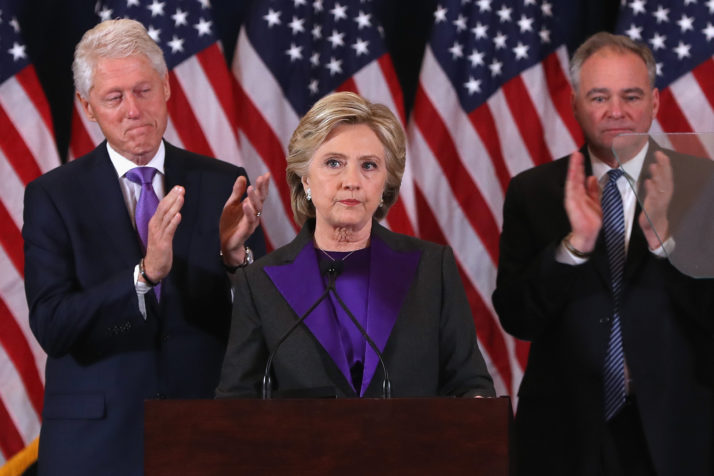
{"x":178,"y":173}
{"x":390,"y":277}
{"x":300,"y":283}
{"x":106,"y":204}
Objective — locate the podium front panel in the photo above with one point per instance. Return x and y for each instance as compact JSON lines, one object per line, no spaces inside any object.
{"x":327,"y":436}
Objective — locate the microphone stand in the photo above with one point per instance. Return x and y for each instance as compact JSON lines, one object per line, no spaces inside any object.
{"x":386,"y":382}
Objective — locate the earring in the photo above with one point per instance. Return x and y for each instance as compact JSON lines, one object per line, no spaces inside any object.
{"x":308,"y":194}
{"x":381,"y":201}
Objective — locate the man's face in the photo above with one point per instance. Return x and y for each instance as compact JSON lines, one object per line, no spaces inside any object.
{"x":614,"y":97}
{"x":128,"y":101}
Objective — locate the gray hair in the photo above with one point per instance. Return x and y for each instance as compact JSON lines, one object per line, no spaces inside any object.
{"x":619,"y":43}
{"x":113,"y":39}
{"x":328,"y":113}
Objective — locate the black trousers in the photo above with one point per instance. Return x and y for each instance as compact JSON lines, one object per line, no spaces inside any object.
{"x":624,"y":447}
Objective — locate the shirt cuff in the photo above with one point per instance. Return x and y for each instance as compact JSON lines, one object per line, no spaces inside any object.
{"x":665,"y":249}
{"x":562,"y":255}
{"x":141,"y":289}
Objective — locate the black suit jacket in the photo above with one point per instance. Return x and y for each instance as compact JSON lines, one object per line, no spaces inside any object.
{"x":104,"y":359}
{"x":565,"y":312}
{"x":430,"y":351}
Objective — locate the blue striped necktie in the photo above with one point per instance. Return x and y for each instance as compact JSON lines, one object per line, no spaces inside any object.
{"x":613,"y":218}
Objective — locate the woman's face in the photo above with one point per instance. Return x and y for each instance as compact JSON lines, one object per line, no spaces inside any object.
{"x":346,"y":177}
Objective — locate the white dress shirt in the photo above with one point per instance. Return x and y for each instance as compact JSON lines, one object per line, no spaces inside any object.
{"x":131,"y":191}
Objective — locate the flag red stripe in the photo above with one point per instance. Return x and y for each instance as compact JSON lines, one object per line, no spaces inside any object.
{"x":263,"y":139}
{"x":349,"y":85}
{"x":17,"y":348}
{"x":486,"y":327}
{"x":704,"y":74}
{"x":212,"y":60}
{"x":399,"y":220}
{"x":672,"y":119}
{"x":10,"y":439}
{"x":670,"y":116}
{"x":81,"y":143}
{"x":527,"y":120}
{"x":16,"y":151}
{"x":392,"y":81}
{"x":11,"y":240}
{"x":187,"y":126}
{"x":482,"y":120}
{"x":466,"y":192}
{"x":29,"y":82}
{"x":560,"y":94}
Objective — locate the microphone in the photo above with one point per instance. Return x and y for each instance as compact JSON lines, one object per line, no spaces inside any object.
{"x":332,"y":268}
{"x":332,"y":271}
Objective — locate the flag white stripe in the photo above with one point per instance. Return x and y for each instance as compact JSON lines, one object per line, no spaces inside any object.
{"x":264,"y":91}
{"x":13,"y":190}
{"x":515,"y":153}
{"x":12,"y":291}
{"x":466,"y":244}
{"x":371,"y":83}
{"x":28,"y":122}
{"x":15,"y":399}
{"x":216,"y":127}
{"x":471,"y":149}
{"x":276,"y":224}
{"x":692,"y":101}
{"x":559,"y":144}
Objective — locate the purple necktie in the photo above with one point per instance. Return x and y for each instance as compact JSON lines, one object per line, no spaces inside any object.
{"x":146,"y":205}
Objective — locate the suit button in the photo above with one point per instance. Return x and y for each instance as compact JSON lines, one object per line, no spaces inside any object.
{"x":160,"y":396}
{"x":605,"y":320}
{"x":165,"y":337}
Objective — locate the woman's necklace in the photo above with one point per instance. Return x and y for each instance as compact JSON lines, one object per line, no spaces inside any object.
{"x":333,"y":259}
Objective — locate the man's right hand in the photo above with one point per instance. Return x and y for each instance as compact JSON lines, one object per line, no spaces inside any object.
{"x":582,"y":205}
{"x":162,"y":227}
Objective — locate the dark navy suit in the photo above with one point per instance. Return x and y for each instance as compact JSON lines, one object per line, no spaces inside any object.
{"x":104,"y":358}
{"x":565,"y":312}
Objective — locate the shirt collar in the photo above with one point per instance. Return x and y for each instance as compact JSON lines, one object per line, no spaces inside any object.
{"x":632,"y":167}
{"x":123,"y":165}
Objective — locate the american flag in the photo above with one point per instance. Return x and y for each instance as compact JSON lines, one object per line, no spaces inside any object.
{"x":201,"y":108}
{"x":27,"y":149}
{"x":493,"y":99}
{"x":289,"y":54}
{"x":681,"y":36}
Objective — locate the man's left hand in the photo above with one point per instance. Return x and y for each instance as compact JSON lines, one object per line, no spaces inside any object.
{"x":659,"y":188}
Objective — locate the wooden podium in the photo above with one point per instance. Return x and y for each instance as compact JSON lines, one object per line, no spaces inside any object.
{"x":327,"y":436}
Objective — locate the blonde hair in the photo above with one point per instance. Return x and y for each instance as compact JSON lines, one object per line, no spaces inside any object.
{"x":113,"y":39}
{"x":335,"y":110}
{"x":619,"y":43}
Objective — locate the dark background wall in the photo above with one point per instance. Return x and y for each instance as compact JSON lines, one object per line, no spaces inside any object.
{"x":51,"y":28}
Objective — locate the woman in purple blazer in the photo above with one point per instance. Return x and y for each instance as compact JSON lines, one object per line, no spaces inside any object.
{"x":345,"y":163}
